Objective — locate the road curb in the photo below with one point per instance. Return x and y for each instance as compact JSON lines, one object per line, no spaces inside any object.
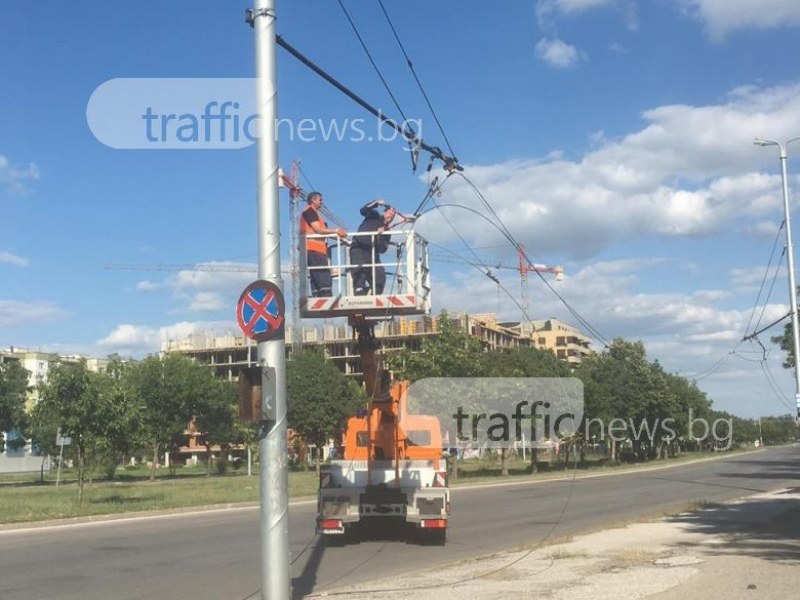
{"x":195,"y":510}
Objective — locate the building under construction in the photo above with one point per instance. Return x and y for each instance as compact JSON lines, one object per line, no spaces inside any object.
{"x":227,"y":354}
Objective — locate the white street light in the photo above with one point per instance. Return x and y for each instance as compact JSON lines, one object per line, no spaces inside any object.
{"x":790,"y":254}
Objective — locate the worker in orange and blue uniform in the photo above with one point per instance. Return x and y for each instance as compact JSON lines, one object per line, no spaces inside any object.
{"x":317,"y":248}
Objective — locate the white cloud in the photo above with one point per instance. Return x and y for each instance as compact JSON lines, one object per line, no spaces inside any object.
{"x":15,"y":313}
{"x":13,"y":179}
{"x":548,"y":11}
{"x":131,"y":339}
{"x":148,"y":286}
{"x":749,"y":279}
{"x":687,"y":332}
{"x":722,"y":17}
{"x":557,"y":54}
{"x":13,"y":259}
{"x":212,"y":286}
{"x":617,"y":48}
{"x":690,"y":170}
{"x":767,"y":229}
{"x":207,"y":302}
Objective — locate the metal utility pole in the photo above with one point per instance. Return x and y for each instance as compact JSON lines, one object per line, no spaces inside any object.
{"x":294,"y":255}
{"x":274,"y":478}
{"x":790,"y":263}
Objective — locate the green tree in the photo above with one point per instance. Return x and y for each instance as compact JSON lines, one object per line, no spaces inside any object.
{"x":319,"y":398}
{"x":779,"y":430}
{"x":522,"y":362}
{"x":166,"y":390}
{"x":13,"y":389}
{"x":77,"y":401}
{"x":124,"y":425}
{"x":452,"y":352}
{"x":786,"y":344}
{"x":624,"y":390}
{"x":215,"y":410}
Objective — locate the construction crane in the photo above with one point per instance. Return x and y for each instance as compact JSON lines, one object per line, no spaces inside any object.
{"x":526,"y":267}
{"x":295,"y":195}
{"x":212,"y":266}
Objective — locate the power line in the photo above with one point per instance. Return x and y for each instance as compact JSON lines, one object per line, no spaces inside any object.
{"x":763,"y":329}
{"x":763,"y":280}
{"x":500,"y":226}
{"x":450,"y":163}
{"x":771,"y":287}
{"x":416,"y":78}
{"x":774,"y":385}
{"x":375,"y":66}
{"x":710,"y":370}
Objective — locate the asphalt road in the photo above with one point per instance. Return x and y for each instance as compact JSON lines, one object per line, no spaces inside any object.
{"x":216,"y":555}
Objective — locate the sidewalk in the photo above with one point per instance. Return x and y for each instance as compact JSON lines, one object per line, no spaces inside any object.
{"x":748,"y":549}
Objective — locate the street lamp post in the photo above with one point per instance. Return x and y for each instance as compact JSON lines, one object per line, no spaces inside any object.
{"x":790,"y":264}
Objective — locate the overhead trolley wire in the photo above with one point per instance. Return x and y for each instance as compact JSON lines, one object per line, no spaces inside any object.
{"x":763,"y":280}
{"x":375,"y":66}
{"x":510,"y":237}
{"x":450,"y":163}
{"x":327,"y":212}
{"x":416,"y":78}
{"x":771,"y":287}
{"x":774,"y":385}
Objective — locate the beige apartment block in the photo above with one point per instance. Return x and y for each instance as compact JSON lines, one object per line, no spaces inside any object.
{"x":567,"y":342}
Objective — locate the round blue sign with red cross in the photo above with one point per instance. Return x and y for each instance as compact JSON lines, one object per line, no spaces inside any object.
{"x":260,"y":311}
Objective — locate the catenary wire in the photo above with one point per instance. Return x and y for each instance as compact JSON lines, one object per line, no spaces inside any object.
{"x":764,"y":279}
{"x":375,"y":66}
{"x":510,"y":237}
{"x":416,"y":78}
{"x":771,"y":287}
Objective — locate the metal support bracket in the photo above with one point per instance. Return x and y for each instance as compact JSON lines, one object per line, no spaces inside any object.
{"x":251,"y":14}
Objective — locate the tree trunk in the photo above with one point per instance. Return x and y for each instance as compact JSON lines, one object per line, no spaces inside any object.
{"x":80,"y":474}
{"x":208,"y":460}
{"x":534,"y":459}
{"x":504,"y":462}
{"x":155,"y":461}
{"x":318,"y":462}
{"x":453,"y":464}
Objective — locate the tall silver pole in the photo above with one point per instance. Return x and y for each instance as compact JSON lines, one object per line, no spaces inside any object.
{"x":274,"y":478}
{"x":297,"y":326}
{"x":790,"y":265}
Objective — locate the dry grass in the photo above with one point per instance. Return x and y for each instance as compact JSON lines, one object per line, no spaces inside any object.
{"x":632,"y":557}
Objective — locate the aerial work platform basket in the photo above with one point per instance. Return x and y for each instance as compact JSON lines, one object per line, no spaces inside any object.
{"x":407,"y":289}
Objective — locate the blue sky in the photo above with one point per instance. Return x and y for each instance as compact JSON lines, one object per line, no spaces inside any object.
{"x":614,"y":137}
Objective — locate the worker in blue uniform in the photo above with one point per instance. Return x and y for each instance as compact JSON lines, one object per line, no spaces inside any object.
{"x":366,"y":249}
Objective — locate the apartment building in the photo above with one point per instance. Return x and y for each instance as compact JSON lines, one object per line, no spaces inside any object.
{"x":38,"y":365}
{"x":567,"y":342}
